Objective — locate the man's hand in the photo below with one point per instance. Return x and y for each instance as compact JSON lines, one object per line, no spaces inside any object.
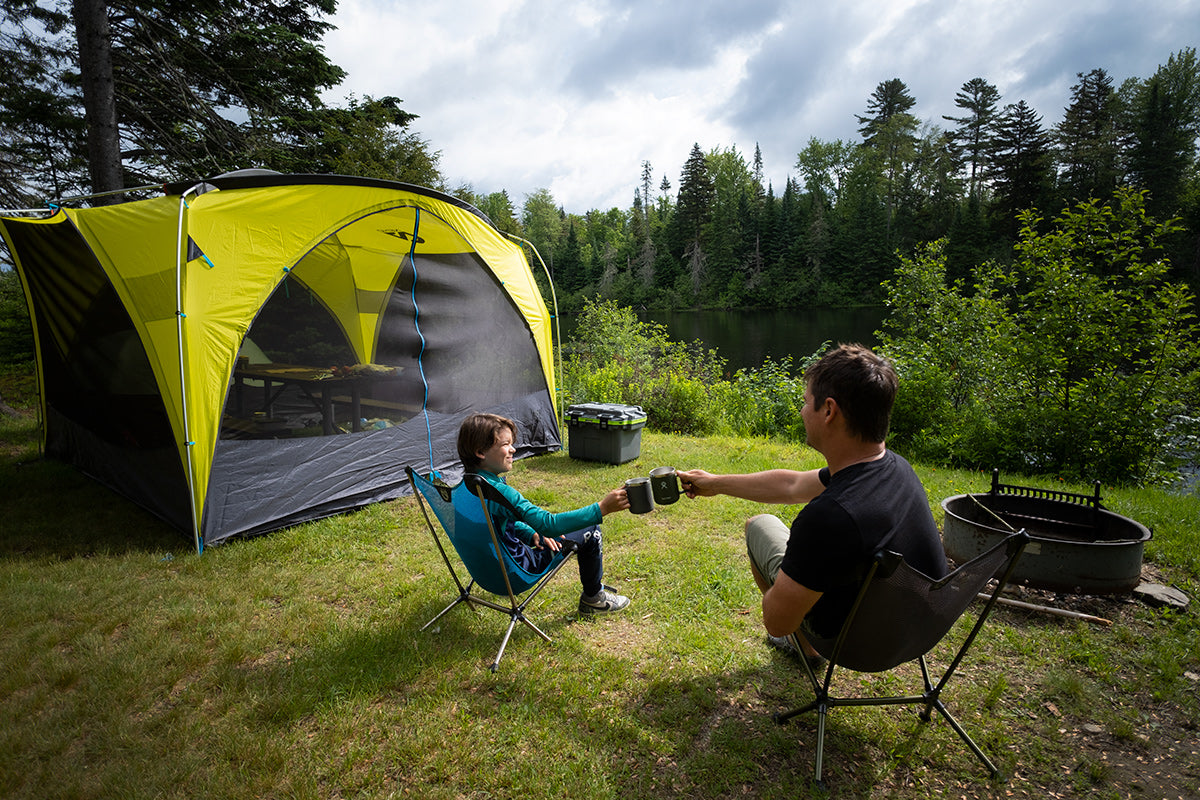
{"x":696,"y":483}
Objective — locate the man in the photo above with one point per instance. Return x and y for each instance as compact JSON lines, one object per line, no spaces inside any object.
{"x":865,"y":499}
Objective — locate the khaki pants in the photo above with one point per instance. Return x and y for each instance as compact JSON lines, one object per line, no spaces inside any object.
{"x":766,"y":541}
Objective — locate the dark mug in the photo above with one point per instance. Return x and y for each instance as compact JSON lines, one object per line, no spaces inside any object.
{"x":665,"y":485}
{"x":641,"y":499}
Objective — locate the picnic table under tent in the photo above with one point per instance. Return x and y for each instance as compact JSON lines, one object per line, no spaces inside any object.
{"x":255,"y":350}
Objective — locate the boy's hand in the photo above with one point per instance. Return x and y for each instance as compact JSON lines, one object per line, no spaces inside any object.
{"x":553,"y":545}
{"x":616,"y":500}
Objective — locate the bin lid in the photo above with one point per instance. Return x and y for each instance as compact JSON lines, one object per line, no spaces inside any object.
{"x":607,"y":413}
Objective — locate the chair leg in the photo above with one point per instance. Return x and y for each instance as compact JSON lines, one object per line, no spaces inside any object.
{"x":822,"y":711}
{"x":512,"y":621}
{"x":462,"y":598}
{"x":529,"y":624}
{"x":993,"y":771}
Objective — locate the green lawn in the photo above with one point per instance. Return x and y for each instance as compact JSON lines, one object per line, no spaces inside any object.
{"x":292,"y":666}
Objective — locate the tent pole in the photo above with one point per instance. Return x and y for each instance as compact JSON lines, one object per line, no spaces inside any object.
{"x":14,"y":212}
{"x":161,"y":187}
{"x":558,"y":405}
{"x":183,"y":403}
{"x":52,"y":205}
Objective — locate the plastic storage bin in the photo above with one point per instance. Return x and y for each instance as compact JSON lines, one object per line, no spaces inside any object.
{"x":605,"y":432}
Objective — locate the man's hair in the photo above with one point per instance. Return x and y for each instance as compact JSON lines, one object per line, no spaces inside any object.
{"x":477,"y":433}
{"x":862,"y":383}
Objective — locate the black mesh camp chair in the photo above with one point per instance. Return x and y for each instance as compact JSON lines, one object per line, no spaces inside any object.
{"x":899,"y":615}
{"x":462,"y":514}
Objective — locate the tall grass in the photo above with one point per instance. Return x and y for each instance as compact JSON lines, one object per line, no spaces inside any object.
{"x":292,"y":665}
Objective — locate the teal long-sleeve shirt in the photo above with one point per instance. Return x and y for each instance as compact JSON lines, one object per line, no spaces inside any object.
{"x":530,"y":518}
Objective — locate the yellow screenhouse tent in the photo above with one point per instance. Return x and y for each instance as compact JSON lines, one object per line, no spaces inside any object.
{"x":258,"y":349}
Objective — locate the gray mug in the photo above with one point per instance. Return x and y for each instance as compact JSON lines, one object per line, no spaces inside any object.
{"x":665,"y":485}
{"x":641,"y":499}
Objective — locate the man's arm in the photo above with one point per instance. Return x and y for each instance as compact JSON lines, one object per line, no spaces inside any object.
{"x":786,"y":604}
{"x":770,"y":486}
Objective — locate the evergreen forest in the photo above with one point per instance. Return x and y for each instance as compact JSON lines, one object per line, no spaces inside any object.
{"x":838,"y":229}
{"x":103,"y":96}
{"x":1040,"y":267}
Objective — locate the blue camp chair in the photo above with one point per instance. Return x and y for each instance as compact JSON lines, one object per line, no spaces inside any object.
{"x":461,"y":511}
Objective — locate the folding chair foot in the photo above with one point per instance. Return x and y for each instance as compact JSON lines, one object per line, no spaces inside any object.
{"x":782,"y":717}
{"x":446,"y":610}
{"x":504,"y":643}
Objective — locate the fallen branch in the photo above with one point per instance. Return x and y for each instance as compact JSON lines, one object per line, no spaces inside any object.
{"x":1058,"y":612}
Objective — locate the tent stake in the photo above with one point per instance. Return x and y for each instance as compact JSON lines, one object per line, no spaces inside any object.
{"x":1058,"y":612}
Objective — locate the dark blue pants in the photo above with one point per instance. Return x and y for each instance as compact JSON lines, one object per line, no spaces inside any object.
{"x":590,"y":553}
{"x":591,"y":558}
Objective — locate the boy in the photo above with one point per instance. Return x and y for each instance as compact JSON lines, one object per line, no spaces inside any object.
{"x":486,"y":446}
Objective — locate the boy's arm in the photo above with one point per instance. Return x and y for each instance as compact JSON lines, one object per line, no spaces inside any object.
{"x":546,"y":523}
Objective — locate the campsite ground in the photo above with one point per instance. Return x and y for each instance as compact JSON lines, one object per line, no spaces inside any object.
{"x":292,"y":665}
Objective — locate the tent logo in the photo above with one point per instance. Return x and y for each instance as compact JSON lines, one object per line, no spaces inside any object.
{"x":405,"y":235}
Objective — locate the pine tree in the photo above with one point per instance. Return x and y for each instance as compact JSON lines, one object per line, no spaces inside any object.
{"x":1164,"y":126}
{"x":197,"y":89}
{"x":1087,"y":140}
{"x":1021,"y":164}
{"x":891,"y":134}
{"x":889,"y":100}
{"x":975,"y":132}
{"x":692,"y":212}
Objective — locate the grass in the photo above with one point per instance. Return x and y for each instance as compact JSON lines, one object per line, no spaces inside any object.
{"x":292,"y":666}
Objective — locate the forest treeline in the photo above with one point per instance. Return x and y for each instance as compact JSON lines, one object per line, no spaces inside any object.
{"x":1037,"y":273}
{"x":1080,"y":357}
{"x":102,"y":95}
{"x":834,"y":233}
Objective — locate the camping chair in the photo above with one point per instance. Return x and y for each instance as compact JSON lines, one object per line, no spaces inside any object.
{"x":462,"y":513}
{"x":899,"y":615}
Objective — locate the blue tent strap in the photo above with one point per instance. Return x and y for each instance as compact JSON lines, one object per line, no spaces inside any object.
{"x":412,"y":253}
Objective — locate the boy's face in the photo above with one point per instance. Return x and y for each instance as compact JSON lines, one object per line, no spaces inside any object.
{"x":498,"y":458}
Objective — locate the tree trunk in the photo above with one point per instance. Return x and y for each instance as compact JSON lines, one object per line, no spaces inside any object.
{"x":99,"y":99}
{"x":6,"y":410}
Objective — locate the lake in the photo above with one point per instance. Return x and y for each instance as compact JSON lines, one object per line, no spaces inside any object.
{"x":747,"y":338}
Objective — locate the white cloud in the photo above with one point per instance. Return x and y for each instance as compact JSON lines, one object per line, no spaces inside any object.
{"x":528,"y":94}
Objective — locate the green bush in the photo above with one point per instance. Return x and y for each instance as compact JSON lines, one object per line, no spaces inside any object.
{"x":1076,"y":360}
{"x":766,"y":401}
{"x":616,"y":358}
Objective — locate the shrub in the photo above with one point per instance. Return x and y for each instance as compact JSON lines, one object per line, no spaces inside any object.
{"x":617,"y":358}
{"x":766,"y":401}
{"x":1073,"y":361}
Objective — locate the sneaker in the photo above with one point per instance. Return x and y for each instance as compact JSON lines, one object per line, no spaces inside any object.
{"x":607,"y":601}
{"x":783,"y":644}
{"x":787,"y":645}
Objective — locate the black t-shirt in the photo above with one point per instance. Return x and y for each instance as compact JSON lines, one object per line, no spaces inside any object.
{"x":867,"y":507}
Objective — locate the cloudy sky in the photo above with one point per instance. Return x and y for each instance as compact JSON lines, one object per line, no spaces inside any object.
{"x":573,"y":96}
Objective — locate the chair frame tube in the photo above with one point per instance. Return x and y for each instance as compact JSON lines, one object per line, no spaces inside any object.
{"x":516,"y":607}
{"x":823,"y":702}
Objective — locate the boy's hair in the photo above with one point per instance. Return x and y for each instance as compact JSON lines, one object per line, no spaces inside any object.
{"x":863,"y":384}
{"x":477,"y":433}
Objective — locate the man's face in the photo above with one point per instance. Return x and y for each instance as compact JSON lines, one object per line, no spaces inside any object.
{"x":815,"y":416}
{"x":808,"y":415}
{"x":498,"y":458}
